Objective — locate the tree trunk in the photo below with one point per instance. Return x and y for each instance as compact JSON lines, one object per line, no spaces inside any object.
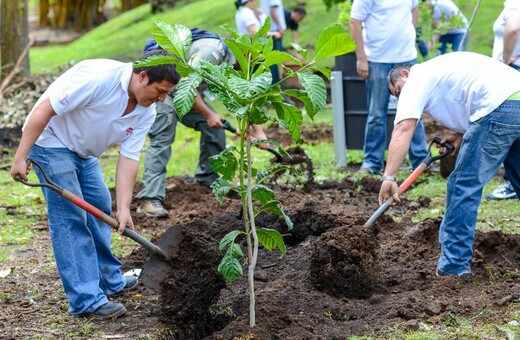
{"x":14,"y":35}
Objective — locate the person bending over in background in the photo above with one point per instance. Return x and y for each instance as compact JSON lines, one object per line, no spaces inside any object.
{"x":92,"y":106}
{"x":479,"y":99}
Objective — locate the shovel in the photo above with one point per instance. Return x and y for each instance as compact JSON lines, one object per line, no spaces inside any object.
{"x":413,"y":176}
{"x":232,"y":129}
{"x":160,"y":256}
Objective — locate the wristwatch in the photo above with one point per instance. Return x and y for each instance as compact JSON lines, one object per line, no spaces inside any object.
{"x":388,"y":178}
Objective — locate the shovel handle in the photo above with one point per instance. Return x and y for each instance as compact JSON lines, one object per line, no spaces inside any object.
{"x":93,"y":210}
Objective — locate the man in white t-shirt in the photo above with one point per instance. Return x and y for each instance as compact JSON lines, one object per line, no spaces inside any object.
{"x":479,"y":99}
{"x":384,"y":31}
{"x":94,"y":105}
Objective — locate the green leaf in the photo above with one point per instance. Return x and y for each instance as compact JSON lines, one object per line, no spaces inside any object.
{"x":290,"y":118}
{"x":258,"y":116}
{"x":228,"y":239}
{"x":326,"y":34}
{"x":220,"y":188}
{"x":231,"y":29}
{"x":302,"y":95}
{"x":239,"y":51}
{"x":261,"y":84}
{"x":185,"y":94}
{"x":225,"y":163}
{"x":315,"y":88}
{"x":279,"y":57}
{"x":263,"y":194}
{"x":271,"y":239}
{"x":230,"y":268}
{"x":175,"y":39}
{"x":262,"y":32}
{"x":240,"y":86}
{"x":323,"y":70}
{"x":182,"y":68}
{"x":300,"y":50}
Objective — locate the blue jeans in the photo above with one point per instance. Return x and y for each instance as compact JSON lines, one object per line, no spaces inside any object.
{"x":378,"y":97}
{"x":454,"y":39}
{"x":486,"y":144}
{"x":81,"y":243}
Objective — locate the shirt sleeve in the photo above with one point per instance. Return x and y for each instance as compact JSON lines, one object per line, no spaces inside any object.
{"x":131,"y":147}
{"x":361,"y":9}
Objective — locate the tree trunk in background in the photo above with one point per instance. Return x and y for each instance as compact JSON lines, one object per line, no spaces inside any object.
{"x":14,"y":35}
{"x":129,"y":4}
{"x":162,"y":5}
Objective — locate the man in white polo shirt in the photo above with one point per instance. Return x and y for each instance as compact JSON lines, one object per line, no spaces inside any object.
{"x":479,"y":99}
{"x":92,"y":106}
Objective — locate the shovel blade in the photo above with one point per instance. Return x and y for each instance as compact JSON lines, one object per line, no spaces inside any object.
{"x":157,"y":269}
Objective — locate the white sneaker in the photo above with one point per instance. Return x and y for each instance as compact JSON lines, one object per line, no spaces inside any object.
{"x":502,"y":192}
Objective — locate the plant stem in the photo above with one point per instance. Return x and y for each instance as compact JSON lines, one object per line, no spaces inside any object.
{"x":252,"y":263}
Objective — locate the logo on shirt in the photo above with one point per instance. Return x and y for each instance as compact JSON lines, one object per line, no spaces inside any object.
{"x":129,"y":131}
{"x":63,"y":98}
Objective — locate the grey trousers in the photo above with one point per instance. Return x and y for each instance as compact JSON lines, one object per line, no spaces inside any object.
{"x":158,"y":153}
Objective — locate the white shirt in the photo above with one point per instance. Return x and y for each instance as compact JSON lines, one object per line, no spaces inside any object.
{"x":389,"y":34}
{"x":89,"y":100}
{"x":456,"y":89}
{"x":444,"y":10}
{"x":245,"y":17}
{"x":499,"y":27}
{"x":266,"y":5}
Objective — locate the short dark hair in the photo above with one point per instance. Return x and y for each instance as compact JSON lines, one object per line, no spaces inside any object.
{"x":158,"y":73}
{"x":395,"y":73}
{"x":300,"y":9}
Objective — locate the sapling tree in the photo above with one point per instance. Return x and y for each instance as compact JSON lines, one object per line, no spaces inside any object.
{"x":245,"y":90}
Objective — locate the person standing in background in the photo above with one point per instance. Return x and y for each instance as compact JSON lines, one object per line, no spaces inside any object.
{"x":274,"y":9}
{"x":445,"y":12}
{"x":384,"y":31}
{"x":293,"y":19}
{"x":506,"y":48}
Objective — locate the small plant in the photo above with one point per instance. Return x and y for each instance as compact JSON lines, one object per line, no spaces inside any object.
{"x":245,"y":93}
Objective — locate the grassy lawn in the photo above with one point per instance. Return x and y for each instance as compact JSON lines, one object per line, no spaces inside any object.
{"x":22,"y":209}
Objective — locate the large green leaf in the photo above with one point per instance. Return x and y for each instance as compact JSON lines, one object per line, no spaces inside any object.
{"x":225,"y":163}
{"x":231,"y":29}
{"x":182,"y":68}
{"x":185,"y":94}
{"x":262,"y":32}
{"x":240,"y":86}
{"x":279,"y":57}
{"x":270,"y":239}
{"x":315,"y":87}
{"x":261,"y":84}
{"x":263,"y":194}
{"x":274,"y":207}
{"x":230,"y":268}
{"x":326,"y":34}
{"x":258,"y":116}
{"x":239,"y":51}
{"x":338,"y":44}
{"x":175,"y":39}
{"x":304,"y":97}
{"x":290,"y":117}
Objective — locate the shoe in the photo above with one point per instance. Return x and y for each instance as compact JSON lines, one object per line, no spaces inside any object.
{"x":131,"y":283}
{"x":153,"y":207}
{"x":502,"y":192}
{"x":109,"y":310}
{"x":441,"y":274}
{"x":365,"y":171}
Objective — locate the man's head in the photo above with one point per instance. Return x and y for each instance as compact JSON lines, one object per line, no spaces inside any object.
{"x":397,"y":77}
{"x":152,"y":83}
{"x":298,"y":14}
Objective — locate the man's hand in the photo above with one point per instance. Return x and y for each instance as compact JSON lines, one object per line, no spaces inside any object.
{"x":215,"y":121}
{"x":455,"y":139}
{"x":21,"y":169}
{"x":362,"y":69}
{"x":125,"y":220}
{"x":389,"y":189}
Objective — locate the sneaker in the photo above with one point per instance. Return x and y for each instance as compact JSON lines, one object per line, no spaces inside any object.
{"x":131,"y":283}
{"x":365,"y":171}
{"x":503,"y":192}
{"x":109,"y":310}
{"x":153,"y":207}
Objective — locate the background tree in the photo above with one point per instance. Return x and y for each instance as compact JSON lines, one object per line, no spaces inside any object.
{"x":14,"y":36}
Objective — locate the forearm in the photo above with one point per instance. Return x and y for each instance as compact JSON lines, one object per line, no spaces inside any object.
{"x":356,"y":31}
{"x":510,"y":40}
{"x":295,"y":38}
{"x":399,"y":145}
{"x":126,"y":174}
{"x":200,"y":106}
